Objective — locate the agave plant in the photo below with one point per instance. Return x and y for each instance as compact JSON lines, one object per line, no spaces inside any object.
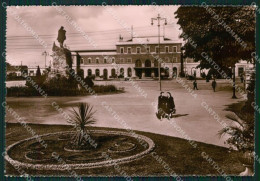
{"x":80,"y":120}
{"x":241,"y":133}
{"x":242,"y":139}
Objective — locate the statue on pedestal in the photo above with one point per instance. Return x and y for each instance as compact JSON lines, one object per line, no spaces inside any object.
{"x":61,"y":36}
{"x":62,"y":59}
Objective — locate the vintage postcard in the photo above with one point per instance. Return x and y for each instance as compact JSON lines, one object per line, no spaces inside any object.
{"x":130,"y":91}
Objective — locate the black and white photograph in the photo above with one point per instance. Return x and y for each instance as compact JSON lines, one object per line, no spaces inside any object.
{"x":130,"y":91}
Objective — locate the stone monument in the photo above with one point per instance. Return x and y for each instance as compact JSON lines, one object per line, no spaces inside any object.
{"x":62,"y":59}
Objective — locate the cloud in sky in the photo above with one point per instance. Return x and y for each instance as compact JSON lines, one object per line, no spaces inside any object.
{"x":97,"y":22}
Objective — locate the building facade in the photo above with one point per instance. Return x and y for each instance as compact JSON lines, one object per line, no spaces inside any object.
{"x":138,"y":57}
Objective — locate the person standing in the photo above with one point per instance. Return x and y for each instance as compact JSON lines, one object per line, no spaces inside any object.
{"x":195,"y":85}
{"x":242,"y":78}
{"x":160,"y":106}
{"x":214,"y":85}
{"x":170,"y":105}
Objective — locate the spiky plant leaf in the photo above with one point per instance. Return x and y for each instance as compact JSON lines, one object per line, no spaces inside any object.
{"x":80,"y":119}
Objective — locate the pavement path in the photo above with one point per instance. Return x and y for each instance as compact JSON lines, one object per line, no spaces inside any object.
{"x":138,"y":112}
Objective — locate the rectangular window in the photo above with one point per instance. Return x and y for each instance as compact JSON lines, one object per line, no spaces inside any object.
{"x":31,"y":73}
{"x":129,"y":50}
{"x":174,"y":49}
{"x":121,"y":60}
{"x":174,"y":59}
{"x":105,"y":60}
{"x":157,"y":49}
{"x":89,"y":60}
{"x":85,"y":61}
{"x":148,"y":49}
{"x":138,"y":50}
{"x":97,"y":60}
{"x":121,"y":49}
{"x":81,"y":60}
{"x":166,"y":49}
{"x":129,"y":60}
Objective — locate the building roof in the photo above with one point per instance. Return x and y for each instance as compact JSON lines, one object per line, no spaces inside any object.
{"x":97,"y":53}
{"x":17,"y":68}
{"x":147,"y":40}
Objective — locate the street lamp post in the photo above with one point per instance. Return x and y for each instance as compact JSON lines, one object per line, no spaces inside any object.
{"x":158,"y":19}
{"x":45,"y":54}
{"x":234,"y":82}
{"x":182,"y":66}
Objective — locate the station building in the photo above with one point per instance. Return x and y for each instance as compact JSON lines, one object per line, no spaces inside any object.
{"x":138,"y":58}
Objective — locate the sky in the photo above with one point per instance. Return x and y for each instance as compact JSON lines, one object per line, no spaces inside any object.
{"x":102,"y":24}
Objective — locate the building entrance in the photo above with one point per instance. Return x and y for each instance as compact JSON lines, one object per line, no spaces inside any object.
{"x":147,"y":70}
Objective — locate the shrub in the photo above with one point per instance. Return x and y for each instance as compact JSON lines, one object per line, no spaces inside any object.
{"x":250,"y":95}
{"x":104,"y":88}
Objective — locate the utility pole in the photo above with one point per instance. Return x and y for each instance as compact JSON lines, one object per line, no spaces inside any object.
{"x":234,"y":82}
{"x":45,"y":54}
{"x":158,"y":19}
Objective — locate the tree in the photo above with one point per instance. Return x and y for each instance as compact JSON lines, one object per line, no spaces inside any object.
{"x":225,"y":34}
{"x":8,"y":66}
{"x":38,"y":72}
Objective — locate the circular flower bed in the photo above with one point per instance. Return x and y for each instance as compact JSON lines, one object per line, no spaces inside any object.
{"x":113,"y":147}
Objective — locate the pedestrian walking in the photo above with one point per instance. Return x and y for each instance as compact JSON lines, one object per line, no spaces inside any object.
{"x":195,"y":85}
{"x":214,"y":85}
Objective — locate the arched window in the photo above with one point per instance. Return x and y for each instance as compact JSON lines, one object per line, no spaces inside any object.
{"x":113,"y":72}
{"x":174,"y":71}
{"x":122,"y":71}
{"x":97,"y":72}
{"x":166,"y":71}
{"x":89,"y":72}
{"x":138,"y":63}
{"x":105,"y":73}
{"x":147,"y":63}
{"x":129,"y":72}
